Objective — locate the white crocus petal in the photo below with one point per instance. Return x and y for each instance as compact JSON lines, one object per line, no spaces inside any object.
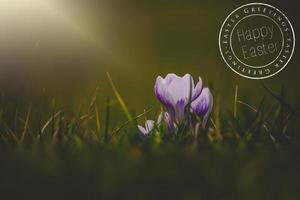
{"x":178,"y":90}
{"x":179,"y":93}
{"x":197,"y":90}
{"x":161,"y":91}
{"x":149,"y":126}
{"x":160,"y":118}
{"x":170,"y":77}
{"x":142,"y":130}
{"x":189,"y":80}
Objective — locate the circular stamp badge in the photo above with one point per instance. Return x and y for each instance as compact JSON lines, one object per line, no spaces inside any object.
{"x":256,"y":40}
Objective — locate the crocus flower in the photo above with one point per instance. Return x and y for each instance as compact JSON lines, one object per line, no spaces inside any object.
{"x":176,"y":92}
{"x":202,"y":105}
{"x":149,"y":126}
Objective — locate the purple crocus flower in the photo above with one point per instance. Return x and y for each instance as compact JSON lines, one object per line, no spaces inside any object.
{"x":149,"y":126}
{"x":176,"y":92}
{"x":202,"y":105}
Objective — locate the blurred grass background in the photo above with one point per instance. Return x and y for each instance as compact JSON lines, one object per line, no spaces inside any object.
{"x":62,"y":49}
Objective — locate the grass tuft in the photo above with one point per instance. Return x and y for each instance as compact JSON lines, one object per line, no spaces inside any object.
{"x":241,"y":151}
{"x":119,"y":98}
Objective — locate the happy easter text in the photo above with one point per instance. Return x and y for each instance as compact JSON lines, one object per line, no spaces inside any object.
{"x":262,"y":38}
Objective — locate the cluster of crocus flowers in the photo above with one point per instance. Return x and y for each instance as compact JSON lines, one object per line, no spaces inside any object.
{"x":181,"y":98}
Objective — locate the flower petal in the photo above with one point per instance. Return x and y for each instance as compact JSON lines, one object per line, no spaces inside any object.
{"x":142,"y":130}
{"x":189,"y":79}
{"x":160,"y":90}
{"x":178,"y":90}
{"x":169,"y":123}
{"x":149,"y":125}
{"x":160,"y":118}
{"x":197,"y":90}
{"x":205,"y":118}
{"x":180,"y":109}
{"x":170,"y":77}
{"x":202,"y":105}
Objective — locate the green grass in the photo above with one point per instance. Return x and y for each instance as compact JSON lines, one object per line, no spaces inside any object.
{"x":249,"y":152}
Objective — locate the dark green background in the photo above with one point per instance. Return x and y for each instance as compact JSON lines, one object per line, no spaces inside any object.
{"x":135,"y":40}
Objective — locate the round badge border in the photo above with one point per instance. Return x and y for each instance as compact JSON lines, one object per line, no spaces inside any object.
{"x":292,"y":52}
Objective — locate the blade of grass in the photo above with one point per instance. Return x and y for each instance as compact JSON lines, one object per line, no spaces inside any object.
{"x":282,"y":101}
{"x":235,"y":101}
{"x":275,"y":116}
{"x":253,"y":130}
{"x":53,"y":118}
{"x":247,"y":105}
{"x":49,"y":121}
{"x":40,"y":126}
{"x":106,"y":121}
{"x":97,"y":119}
{"x":9,"y":132}
{"x":127,"y":122}
{"x":16,"y":120}
{"x":94,"y":98}
{"x":217,"y":116}
{"x":25,"y":125}
{"x":120,"y":99}
{"x":260,"y":108}
{"x":235,"y":125}
{"x":60,"y":126}
{"x":282,"y":110}
{"x":265,"y":124}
